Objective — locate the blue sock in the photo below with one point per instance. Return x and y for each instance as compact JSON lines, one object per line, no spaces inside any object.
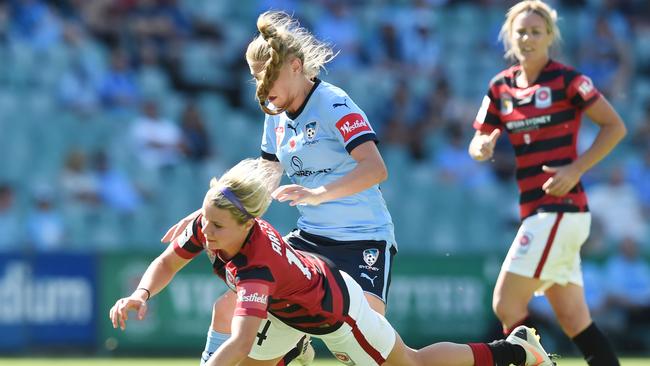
{"x":212,"y":344}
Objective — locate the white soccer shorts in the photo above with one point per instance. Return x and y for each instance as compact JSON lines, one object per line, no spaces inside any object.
{"x":547,"y":247}
{"x":366,"y":338}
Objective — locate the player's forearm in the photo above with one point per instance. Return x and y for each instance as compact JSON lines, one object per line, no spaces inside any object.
{"x":608,"y":137}
{"x":155,"y":278}
{"x":231,"y":353}
{"x":366,"y":174}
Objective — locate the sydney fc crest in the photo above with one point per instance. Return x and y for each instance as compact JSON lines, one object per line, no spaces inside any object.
{"x":370,"y":256}
{"x":311,"y":129}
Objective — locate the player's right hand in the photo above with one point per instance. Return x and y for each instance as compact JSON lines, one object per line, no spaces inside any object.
{"x":483,"y":145}
{"x":178,"y":228}
{"x":119,"y":313}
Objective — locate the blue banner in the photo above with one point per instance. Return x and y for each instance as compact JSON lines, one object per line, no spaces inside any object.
{"x":47,"y":300}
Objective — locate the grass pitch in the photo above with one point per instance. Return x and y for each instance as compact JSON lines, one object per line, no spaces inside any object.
{"x":194,"y":362}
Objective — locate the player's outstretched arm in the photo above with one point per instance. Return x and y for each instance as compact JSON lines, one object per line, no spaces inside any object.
{"x":238,"y":346}
{"x":155,"y":278}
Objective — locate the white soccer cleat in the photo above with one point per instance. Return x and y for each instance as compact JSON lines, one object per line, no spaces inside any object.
{"x":307,"y":355}
{"x":529,"y":340}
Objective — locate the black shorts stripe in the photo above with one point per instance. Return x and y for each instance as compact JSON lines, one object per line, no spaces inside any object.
{"x":531,"y":171}
{"x":544,"y":145}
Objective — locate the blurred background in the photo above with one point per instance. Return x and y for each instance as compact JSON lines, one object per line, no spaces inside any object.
{"x":114,"y":114}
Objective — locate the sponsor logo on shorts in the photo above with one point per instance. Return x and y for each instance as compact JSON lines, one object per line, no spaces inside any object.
{"x":524,"y":244}
{"x":344,"y":358}
{"x":371,"y":279}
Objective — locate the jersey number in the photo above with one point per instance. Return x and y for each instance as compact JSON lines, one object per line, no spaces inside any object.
{"x":292,"y":257}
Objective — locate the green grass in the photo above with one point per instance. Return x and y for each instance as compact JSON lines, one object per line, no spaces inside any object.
{"x":194,"y":362}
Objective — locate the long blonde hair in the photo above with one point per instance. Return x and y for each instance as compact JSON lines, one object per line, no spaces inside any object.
{"x":281,"y":37}
{"x":548,"y":14}
{"x":247,"y":182}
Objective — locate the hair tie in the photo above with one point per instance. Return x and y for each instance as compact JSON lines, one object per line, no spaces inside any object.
{"x":235,"y":201}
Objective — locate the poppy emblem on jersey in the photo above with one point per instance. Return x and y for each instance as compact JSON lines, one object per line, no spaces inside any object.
{"x":292,"y":144}
{"x":543,"y":97}
{"x":344,"y":358}
{"x":311,"y":129}
{"x":370,"y":256}
{"x":279,"y":135}
{"x":506,"y":104}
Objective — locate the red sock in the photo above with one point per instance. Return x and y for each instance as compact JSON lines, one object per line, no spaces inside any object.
{"x":482,"y":354}
{"x":507,"y":331}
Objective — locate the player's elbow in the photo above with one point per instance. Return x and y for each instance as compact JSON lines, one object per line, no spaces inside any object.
{"x":382,"y":172}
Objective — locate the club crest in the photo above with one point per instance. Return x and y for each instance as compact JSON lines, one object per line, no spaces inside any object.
{"x":311,"y":129}
{"x":370,"y":256}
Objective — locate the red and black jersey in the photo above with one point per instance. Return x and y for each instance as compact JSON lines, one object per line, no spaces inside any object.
{"x":542,"y":122}
{"x":268,"y":275}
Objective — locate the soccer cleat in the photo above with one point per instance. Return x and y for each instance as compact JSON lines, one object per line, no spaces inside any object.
{"x":529,"y":340}
{"x":307,"y":355}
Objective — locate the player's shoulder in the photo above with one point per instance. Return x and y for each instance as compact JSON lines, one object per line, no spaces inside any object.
{"x":504,"y":76}
{"x":334,"y":103}
{"x":568,"y":72}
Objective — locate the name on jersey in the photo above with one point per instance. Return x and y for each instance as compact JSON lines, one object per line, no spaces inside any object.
{"x":254,"y":297}
{"x":351,"y":125}
{"x":528,"y":123}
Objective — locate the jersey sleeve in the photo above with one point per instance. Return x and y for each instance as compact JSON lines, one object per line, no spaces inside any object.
{"x":581,"y":90}
{"x":351,"y":126}
{"x":254,"y":288}
{"x":270,"y":137}
{"x":487,"y":119}
{"x":191,"y":242}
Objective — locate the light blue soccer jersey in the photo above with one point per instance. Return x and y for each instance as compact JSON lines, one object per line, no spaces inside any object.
{"x":313,"y":145}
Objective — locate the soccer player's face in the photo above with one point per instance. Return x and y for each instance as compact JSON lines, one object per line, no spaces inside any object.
{"x":286,"y":86}
{"x":220,"y":228}
{"x":530,"y":37}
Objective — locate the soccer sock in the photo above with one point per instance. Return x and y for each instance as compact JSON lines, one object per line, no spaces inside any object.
{"x":524,"y":321}
{"x":595,"y":347}
{"x":212,"y":344}
{"x":499,"y":353}
{"x":293,"y":353}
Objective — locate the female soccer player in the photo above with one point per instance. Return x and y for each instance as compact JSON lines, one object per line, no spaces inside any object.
{"x":284,"y":294}
{"x":539,"y":102}
{"x":324,"y":142}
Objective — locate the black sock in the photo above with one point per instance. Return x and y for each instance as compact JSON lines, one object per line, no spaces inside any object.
{"x":294,"y":352}
{"x":595,"y":347}
{"x":504,"y":353}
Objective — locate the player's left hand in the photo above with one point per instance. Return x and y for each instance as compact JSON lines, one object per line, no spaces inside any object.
{"x":563,"y":180}
{"x":299,"y":195}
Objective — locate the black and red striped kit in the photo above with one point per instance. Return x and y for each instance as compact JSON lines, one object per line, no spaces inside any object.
{"x":542,"y":122}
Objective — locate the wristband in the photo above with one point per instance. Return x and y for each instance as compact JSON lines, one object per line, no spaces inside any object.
{"x":147,"y":290}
